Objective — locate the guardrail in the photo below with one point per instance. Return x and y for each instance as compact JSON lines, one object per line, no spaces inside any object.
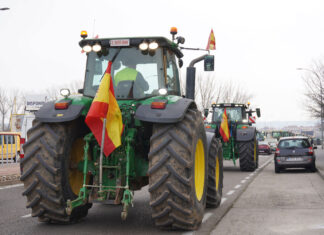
{"x":9,"y":148}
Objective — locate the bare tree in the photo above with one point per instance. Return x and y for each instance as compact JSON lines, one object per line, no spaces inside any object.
{"x":235,"y":93}
{"x":4,"y":107}
{"x":314,"y":84}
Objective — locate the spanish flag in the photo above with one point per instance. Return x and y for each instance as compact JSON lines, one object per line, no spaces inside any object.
{"x":211,"y":41}
{"x":224,"y":130}
{"x":103,"y":106}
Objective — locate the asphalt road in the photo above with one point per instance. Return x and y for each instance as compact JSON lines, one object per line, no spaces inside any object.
{"x":291,"y":202}
{"x":105,"y":219}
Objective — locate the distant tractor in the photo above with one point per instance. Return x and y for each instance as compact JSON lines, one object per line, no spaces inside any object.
{"x":243,"y":143}
{"x":163,"y":143}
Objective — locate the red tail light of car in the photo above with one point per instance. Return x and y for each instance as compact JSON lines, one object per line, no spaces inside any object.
{"x":310,"y":151}
{"x":277,"y":153}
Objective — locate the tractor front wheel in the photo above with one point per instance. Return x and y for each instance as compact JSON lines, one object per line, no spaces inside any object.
{"x":215,"y":173}
{"x":178,"y":172}
{"x":50,"y":171}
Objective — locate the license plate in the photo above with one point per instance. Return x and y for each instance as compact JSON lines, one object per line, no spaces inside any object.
{"x":294,"y":159}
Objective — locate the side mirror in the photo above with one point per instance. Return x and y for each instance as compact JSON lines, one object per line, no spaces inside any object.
{"x":209,"y":63}
{"x":258,"y":112}
{"x":180,"y":62}
{"x":206,"y":111}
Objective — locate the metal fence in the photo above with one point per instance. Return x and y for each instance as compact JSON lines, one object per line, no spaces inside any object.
{"x":9,"y":148}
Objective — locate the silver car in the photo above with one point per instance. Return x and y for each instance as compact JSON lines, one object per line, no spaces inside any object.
{"x":294,"y":152}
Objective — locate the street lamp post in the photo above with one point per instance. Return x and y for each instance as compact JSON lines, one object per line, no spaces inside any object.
{"x":321,"y":91}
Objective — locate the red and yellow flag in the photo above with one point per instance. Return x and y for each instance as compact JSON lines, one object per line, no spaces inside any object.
{"x":211,"y":41}
{"x":103,"y":106}
{"x":224,"y":130}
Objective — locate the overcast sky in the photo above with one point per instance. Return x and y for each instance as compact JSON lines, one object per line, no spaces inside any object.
{"x":259,"y":43}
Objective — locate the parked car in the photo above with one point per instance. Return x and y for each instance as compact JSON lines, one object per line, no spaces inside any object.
{"x":294,"y":152}
{"x":264,"y":148}
{"x":273,"y":146}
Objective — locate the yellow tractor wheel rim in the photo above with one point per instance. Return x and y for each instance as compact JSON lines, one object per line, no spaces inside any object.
{"x":199,"y":169}
{"x":75,"y":175}
{"x":217,"y":173}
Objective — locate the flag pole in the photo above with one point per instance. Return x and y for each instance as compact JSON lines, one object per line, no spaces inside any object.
{"x":101,"y":153}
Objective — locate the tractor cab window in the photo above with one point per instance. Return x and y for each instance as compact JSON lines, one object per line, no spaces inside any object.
{"x":234,"y":114}
{"x":135,"y":75}
{"x":172,"y":75}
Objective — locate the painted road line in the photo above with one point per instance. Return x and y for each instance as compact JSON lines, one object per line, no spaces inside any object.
{"x":248,"y":177}
{"x":237,"y":186}
{"x":243,"y":181}
{"x":230,"y":192}
{"x":206,"y":216}
{"x":223,"y":200}
{"x":11,"y":186}
{"x":26,"y":216}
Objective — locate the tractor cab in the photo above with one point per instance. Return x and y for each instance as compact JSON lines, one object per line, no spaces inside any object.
{"x":236,"y":113}
{"x":141,"y":67}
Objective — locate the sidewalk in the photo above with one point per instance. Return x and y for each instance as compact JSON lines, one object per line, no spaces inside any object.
{"x":9,"y":173}
{"x":319,"y":152}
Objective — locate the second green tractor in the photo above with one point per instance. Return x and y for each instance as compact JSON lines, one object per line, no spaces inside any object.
{"x":242,"y":144}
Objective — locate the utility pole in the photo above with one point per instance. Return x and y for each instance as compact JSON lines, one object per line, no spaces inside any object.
{"x":321,"y":91}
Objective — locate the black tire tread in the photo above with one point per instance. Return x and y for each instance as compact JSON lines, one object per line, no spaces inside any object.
{"x":42,"y":176}
{"x":170,"y":165}
{"x":246,"y":155}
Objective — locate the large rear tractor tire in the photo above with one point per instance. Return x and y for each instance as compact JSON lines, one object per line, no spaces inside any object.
{"x":215,"y":174}
{"x":248,"y":154}
{"x":50,"y":170}
{"x":178,"y":173}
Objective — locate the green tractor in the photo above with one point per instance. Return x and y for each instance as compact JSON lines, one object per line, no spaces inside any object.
{"x":164,"y":143}
{"x":243,"y":143}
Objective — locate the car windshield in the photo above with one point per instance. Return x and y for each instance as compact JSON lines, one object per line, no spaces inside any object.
{"x":293,"y":143}
{"x":233,"y":114}
{"x":135,"y":75}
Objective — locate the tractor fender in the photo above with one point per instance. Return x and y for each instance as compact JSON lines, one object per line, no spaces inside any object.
{"x":247,"y":134}
{"x":172,"y":113}
{"x":48,"y":113}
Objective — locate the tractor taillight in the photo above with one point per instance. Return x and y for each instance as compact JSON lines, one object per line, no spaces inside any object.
{"x":22,"y":140}
{"x":161,"y":104}
{"x":62,"y":105}
{"x":21,"y":155}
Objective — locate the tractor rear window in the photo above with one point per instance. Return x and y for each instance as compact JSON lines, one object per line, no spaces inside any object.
{"x":233,"y":114}
{"x":135,"y":75}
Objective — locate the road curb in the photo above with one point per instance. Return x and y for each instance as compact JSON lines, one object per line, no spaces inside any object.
{"x":220,"y":212}
{"x":9,"y":179}
{"x":320,"y":173}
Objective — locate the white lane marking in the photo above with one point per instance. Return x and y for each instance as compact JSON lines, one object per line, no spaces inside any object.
{"x":223,"y":200}
{"x":187,"y":233}
{"x":248,"y":177}
{"x":11,"y":186}
{"x":243,"y":181}
{"x":206,"y":217}
{"x":237,"y":186}
{"x":26,"y":216}
{"x":230,"y":192}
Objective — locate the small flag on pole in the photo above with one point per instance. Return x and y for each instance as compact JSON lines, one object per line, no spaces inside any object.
{"x":211,"y":41}
{"x":103,"y":106}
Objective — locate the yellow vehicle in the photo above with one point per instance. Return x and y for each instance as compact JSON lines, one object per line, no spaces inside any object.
{"x":9,"y":145}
